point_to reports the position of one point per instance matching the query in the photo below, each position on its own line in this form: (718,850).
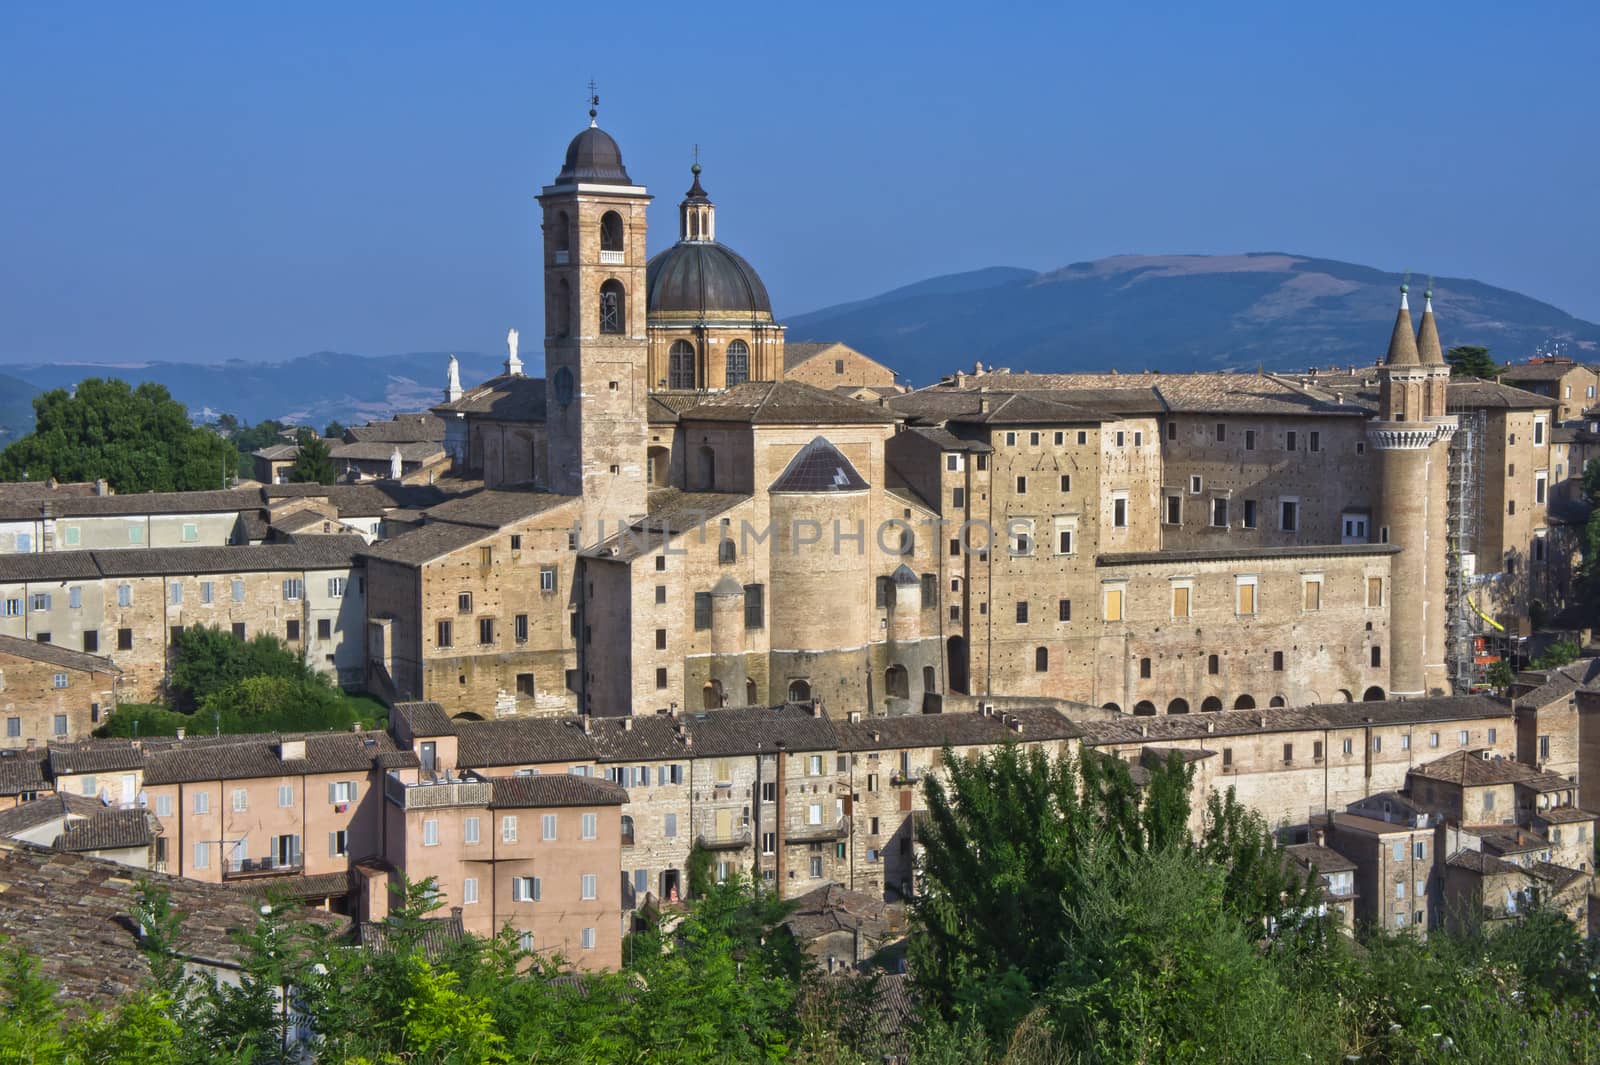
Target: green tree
(206,659)
(252,439)
(1557,655)
(138,439)
(30,1020)
(333,431)
(1467,360)
(314,463)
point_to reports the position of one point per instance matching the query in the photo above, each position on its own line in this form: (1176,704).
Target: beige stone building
(1572,385)
(837,367)
(50,693)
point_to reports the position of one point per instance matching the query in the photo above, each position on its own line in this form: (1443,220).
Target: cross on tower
(594,102)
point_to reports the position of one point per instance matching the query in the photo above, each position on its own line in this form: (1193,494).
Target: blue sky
(228,180)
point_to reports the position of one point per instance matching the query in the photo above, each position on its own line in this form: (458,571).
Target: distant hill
(1177,312)
(16,408)
(310,390)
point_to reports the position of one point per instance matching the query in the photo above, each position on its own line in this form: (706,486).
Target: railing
(737,840)
(258,867)
(427,795)
(819,833)
(899,779)
(611,258)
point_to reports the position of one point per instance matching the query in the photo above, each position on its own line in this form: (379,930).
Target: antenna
(594,103)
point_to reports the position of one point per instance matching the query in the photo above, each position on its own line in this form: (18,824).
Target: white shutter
(333,791)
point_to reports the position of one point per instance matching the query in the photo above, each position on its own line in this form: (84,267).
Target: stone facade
(48,693)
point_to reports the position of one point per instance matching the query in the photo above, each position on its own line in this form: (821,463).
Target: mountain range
(1179,312)
(1127,312)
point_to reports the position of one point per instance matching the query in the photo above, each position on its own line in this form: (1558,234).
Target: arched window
(1244,702)
(1277,700)
(1041,659)
(1144,708)
(627,831)
(1113,707)
(1178,706)
(1211,705)
(660,466)
(708,469)
(562,236)
(611,231)
(613,307)
(799,691)
(1213,664)
(751,696)
(738,363)
(1373,694)
(930,680)
(726,552)
(563,309)
(711,694)
(896,682)
(680,365)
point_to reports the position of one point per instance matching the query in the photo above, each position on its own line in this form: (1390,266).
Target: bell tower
(1411,435)
(595,344)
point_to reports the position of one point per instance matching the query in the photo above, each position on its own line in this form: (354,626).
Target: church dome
(594,159)
(704,279)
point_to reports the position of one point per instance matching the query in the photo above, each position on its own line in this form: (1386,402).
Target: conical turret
(1402,343)
(1428,349)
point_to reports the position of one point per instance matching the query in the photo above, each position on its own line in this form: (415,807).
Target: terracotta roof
(1140,558)
(43,810)
(48,566)
(505,398)
(1131,730)
(1322,859)
(221,501)
(1482,864)
(972,407)
(555,789)
(435,539)
(946,440)
(636,739)
(784,403)
(322,552)
(1557,876)
(95,756)
(1539,371)
(796,352)
(520,741)
(312,886)
(382,450)
(747,730)
(247,757)
(424,718)
(277,452)
(399,429)
(1470,393)
(51,654)
(354,500)
(957,729)
(1565,815)
(23,770)
(109,830)
(494,508)
(75,914)
(836,908)
(1471,769)
(670,513)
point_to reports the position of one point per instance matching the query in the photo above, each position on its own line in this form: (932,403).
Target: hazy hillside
(1176,312)
(312,389)
(16,408)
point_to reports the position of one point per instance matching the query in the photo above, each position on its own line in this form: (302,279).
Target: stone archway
(1178,706)
(1212,705)
(1373,694)
(1144,708)
(1244,702)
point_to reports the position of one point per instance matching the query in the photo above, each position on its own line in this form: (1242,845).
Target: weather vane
(594,102)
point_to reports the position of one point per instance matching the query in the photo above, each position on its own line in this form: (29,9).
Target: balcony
(819,833)
(612,258)
(906,780)
(257,868)
(735,840)
(428,795)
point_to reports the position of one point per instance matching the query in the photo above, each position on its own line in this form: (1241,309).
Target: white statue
(452,381)
(396,465)
(513,364)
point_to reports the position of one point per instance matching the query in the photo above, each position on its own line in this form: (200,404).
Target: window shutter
(333,844)
(354,790)
(333,792)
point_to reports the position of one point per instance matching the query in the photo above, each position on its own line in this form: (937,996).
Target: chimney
(876,736)
(586,724)
(101,487)
(855,717)
(1321,837)
(1144,731)
(627,723)
(181,731)
(292,750)
(1016,725)
(1211,726)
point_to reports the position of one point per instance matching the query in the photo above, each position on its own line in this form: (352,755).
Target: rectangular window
(547,579)
(1311,595)
(202,802)
(238,590)
(135,534)
(1174,515)
(1249,439)
(205,591)
(486,556)
(60,680)
(1315,440)
(1540,482)
(1022,486)
(430,833)
(547,824)
(524,889)
(1377,656)
(470,830)
(292,630)
(324,628)
(508,829)
(294,588)
(285,795)
(60,725)
(958,498)
(1374,591)
(486,630)
(1290,440)
(1244,595)
(337,586)
(1538,432)
(163,805)
(175,590)
(1461,738)
(1288,752)
(1113,606)
(202,855)
(1348,747)
(661,678)
(669,826)
(702,610)
(1377,745)
(469,891)
(661,636)
(1064,610)
(241,800)
(590,885)
(1544,748)
(1064,541)
(1219,513)
(445,634)
(1180,600)
(1119,511)
(1022,613)
(591,826)
(1289,515)
(1249,521)
(586,940)
(13,727)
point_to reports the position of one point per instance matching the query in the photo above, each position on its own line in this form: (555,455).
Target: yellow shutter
(1180,602)
(1313,595)
(1113,604)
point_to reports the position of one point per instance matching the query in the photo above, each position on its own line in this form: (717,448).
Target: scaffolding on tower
(1469,646)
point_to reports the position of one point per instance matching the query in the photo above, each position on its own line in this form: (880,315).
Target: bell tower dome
(595,342)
